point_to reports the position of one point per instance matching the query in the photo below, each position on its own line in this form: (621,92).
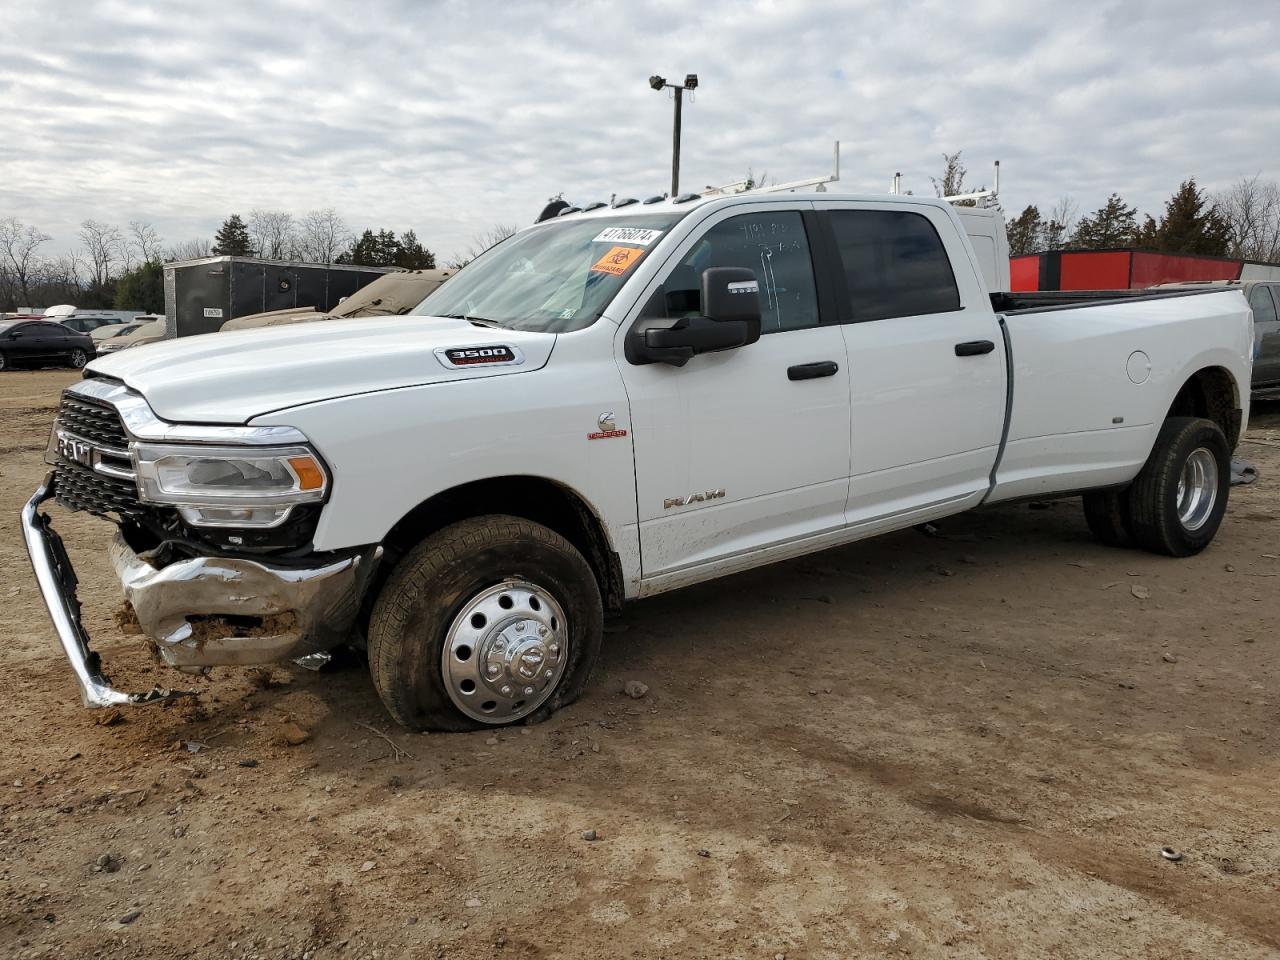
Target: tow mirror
(731,318)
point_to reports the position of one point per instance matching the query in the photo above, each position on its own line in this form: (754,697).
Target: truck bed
(1038,301)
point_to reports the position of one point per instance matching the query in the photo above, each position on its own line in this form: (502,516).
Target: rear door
(926,361)
(1263,300)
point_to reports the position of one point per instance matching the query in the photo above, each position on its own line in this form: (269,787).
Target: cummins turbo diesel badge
(493,355)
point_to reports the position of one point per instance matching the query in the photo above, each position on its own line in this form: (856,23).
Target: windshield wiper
(478,321)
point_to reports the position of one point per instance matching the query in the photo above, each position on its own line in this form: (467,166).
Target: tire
(4,362)
(1190,451)
(1107,513)
(452,593)
(78,359)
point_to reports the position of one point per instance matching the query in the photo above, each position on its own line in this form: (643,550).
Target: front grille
(79,488)
(92,421)
(82,488)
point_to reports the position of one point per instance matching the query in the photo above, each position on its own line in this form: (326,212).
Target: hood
(234,377)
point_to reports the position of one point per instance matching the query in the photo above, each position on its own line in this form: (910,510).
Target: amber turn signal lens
(310,476)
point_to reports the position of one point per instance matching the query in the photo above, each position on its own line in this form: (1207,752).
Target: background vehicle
(150,332)
(86,323)
(609,405)
(105,333)
(42,342)
(390,295)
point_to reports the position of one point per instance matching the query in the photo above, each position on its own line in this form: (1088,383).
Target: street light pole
(675,145)
(690,83)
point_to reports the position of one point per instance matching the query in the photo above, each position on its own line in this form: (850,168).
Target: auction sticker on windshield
(617,261)
(640,236)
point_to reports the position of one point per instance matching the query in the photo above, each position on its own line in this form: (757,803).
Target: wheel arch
(1212,392)
(538,499)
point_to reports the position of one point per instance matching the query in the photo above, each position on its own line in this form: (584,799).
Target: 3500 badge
(475,356)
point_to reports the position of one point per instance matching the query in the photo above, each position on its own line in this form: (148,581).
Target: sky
(449,118)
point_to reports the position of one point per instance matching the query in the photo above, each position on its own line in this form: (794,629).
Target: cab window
(894,264)
(774,246)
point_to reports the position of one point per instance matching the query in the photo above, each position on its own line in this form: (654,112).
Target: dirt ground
(970,745)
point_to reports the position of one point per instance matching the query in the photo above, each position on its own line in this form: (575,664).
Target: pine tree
(413,255)
(232,239)
(1025,232)
(1191,224)
(1114,224)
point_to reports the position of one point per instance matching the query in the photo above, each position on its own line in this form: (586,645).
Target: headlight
(230,486)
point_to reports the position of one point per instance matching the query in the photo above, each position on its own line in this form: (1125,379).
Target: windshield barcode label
(640,236)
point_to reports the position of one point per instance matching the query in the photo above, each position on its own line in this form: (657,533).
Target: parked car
(148,332)
(1264,300)
(103,334)
(42,343)
(390,295)
(608,405)
(88,323)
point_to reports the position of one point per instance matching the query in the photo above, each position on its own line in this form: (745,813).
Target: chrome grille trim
(142,423)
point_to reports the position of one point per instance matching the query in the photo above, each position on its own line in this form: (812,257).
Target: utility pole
(690,83)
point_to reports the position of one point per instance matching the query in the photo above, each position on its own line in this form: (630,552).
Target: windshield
(553,278)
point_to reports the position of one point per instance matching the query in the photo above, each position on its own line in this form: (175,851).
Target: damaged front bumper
(201,612)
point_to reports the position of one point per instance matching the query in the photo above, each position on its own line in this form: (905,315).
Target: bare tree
(60,280)
(20,257)
(953,174)
(274,233)
(192,249)
(1251,208)
(1061,224)
(480,243)
(103,244)
(322,235)
(144,244)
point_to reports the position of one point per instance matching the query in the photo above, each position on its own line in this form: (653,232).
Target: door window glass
(1264,309)
(774,246)
(894,264)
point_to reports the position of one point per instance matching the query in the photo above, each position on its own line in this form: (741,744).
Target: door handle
(974,348)
(812,371)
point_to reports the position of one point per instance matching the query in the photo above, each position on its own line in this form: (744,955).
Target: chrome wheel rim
(78,359)
(1197,489)
(505,652)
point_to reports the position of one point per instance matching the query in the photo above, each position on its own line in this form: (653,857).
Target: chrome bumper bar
(203,611)
(57,582)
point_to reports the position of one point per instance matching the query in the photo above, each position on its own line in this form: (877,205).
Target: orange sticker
(617,261)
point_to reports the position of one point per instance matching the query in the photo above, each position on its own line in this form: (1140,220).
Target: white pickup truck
(605,406)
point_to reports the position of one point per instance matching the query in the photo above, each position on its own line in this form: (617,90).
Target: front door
(747,449)
(926,363)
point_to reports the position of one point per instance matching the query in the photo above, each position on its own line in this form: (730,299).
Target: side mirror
(731,318)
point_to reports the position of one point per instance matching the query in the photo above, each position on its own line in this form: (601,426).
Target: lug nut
(493,669)
(543,631)
(528,691)
(506,690)
(548,674)
(554,648)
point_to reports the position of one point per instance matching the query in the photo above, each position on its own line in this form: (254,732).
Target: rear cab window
(894,264)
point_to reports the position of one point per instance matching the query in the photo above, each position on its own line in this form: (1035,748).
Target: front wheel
(1177,502)
(79,358)
(491,621)
(4,362)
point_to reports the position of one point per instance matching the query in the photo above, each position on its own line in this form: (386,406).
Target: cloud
(450,117)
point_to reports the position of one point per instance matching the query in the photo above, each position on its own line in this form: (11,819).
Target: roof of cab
(686,203)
